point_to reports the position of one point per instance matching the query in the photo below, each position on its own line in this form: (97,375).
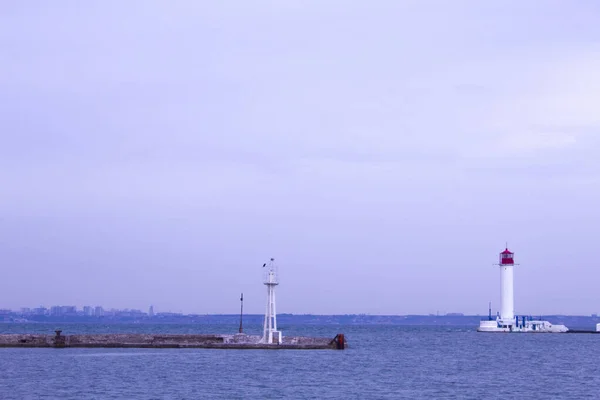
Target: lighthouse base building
(527,324)
(506,320)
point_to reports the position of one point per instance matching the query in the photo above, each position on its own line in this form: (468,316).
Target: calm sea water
(382,362)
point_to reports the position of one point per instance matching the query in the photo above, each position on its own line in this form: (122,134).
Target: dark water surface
(382,362)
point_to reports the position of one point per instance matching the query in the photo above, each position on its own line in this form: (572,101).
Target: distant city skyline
(99,311)
(382,152)
(86,310)
(71,313)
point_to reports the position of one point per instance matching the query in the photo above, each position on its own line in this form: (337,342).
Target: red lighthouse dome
(507,257)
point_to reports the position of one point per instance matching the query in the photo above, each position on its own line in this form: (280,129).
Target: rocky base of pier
(238,341)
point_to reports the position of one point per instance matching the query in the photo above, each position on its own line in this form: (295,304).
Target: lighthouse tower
(507,299)
(271,280)
(507,321)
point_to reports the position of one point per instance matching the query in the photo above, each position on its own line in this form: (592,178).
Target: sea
(381,362)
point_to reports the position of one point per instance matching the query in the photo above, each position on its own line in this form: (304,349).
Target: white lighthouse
(507,321)
(271,280)
(507,297)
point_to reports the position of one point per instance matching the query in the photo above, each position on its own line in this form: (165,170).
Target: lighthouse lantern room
(507,257)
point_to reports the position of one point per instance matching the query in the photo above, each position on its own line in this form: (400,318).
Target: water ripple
(382,362)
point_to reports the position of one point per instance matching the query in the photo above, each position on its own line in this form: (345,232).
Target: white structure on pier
(271,280)
(507,295)
(506,321)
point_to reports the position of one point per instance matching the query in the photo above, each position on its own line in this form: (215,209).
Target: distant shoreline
(294,319)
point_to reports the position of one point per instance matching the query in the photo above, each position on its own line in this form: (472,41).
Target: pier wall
(239,341)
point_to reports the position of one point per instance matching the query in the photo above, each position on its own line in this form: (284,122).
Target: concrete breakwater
(237,341)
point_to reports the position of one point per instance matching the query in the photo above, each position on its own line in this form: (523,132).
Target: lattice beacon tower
(271,280)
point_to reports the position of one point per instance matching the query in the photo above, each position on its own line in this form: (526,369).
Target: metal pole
(241,310)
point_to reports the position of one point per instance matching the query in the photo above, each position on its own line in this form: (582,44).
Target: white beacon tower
(507,321)
(271,280)
(507,296)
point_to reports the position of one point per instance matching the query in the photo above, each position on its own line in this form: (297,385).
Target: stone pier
(133,340)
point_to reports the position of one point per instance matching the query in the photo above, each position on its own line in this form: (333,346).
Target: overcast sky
(383,152)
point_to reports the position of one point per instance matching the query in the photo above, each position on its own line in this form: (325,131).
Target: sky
(383,152)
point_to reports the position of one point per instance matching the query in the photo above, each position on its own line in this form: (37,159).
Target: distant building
(151,311)
(57,311)
(40,311)
(111,312)
(69,310)
(169,314)
(127,313)
(88,311)
(25,310)
(98,311)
